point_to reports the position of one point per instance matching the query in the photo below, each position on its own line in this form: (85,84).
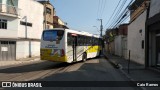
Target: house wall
(136,33)
(112,47)
(34,16)
(31,45)
(49,17)
(154,34)
(27,48)
(123,29)
(121,46)
(124,48)
(12,27)
(118,45)
(154,8)
(31,12)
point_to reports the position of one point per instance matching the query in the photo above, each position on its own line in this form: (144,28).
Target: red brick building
(123,29)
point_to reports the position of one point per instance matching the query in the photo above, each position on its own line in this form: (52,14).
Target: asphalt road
(93,70)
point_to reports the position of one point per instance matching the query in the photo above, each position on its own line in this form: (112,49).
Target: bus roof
(76,32)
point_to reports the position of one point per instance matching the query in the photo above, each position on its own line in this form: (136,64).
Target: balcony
(8,10)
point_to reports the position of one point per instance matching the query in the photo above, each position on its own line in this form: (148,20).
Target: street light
(97,28)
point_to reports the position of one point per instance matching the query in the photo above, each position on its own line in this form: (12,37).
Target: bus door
(74,46)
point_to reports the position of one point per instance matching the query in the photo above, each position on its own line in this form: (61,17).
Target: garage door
(7,50)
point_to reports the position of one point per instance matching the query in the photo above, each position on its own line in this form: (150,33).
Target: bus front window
(53,35)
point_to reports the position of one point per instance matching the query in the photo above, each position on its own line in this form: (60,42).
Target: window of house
(48,10)
(12,2)
(3,24)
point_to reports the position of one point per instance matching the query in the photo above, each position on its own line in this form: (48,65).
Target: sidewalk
(137,72)
(5,64)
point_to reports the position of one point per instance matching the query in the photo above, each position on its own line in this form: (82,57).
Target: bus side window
(84,41)
(93,41)
(69,39)
(90,41)
(79,41)
(87,41)
(97,41)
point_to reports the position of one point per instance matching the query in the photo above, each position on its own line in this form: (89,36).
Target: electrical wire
(124,14)
(113,13)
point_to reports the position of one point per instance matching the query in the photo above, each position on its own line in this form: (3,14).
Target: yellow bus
(65,45)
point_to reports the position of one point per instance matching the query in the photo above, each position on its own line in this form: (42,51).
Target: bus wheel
(84,57)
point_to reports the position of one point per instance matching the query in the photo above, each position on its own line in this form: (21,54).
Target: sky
(82,15)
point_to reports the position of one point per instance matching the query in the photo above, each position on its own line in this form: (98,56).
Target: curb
(120,67)
(18,63)
(114,64)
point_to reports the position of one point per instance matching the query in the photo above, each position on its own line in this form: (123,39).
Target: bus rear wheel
(84,57)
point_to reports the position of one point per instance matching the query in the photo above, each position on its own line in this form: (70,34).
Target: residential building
(58,23)
(20,30)
(48,13)
(153,35)
(136,31)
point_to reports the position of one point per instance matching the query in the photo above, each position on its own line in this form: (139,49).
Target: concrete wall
(24,49)
(124,48)
(35,16)
(135,37)
(121,46)
(118,45)
(112,47)
(154,7)
(33,11)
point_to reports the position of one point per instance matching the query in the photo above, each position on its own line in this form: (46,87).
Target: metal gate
(158,51)
(7,50)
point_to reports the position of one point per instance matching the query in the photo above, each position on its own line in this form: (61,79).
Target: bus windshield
(53,35)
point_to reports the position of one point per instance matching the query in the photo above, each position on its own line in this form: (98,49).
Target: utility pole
(101,29)
(101,26)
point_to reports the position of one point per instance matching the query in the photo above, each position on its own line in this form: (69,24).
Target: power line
(123,15)
(118,12)
(98,8)
(113,13)
(127,16)
(103,8)
(123,18)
